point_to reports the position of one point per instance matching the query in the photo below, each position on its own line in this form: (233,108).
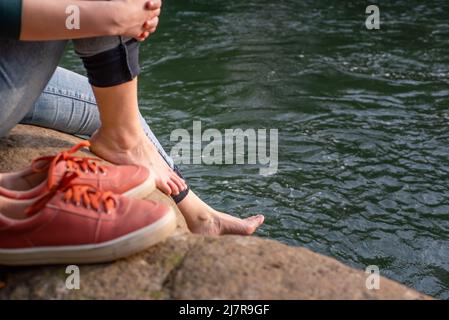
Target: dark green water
(362,115)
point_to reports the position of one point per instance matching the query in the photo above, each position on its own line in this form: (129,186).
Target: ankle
(118,138)
(195,218)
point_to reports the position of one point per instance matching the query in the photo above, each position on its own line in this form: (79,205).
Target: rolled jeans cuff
(178,198)
(114,66)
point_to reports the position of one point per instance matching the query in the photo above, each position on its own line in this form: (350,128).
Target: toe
(253,223)
(179,182)
(259,219)
(174,188)
(164,187)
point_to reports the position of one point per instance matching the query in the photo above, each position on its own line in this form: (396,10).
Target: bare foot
(218,223)
(139,150)
(203,219)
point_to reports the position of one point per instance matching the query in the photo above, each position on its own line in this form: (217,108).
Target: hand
(138,18)
(150,25)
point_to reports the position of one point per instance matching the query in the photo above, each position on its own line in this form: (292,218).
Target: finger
(150,31)
(153,5)
(143,36)
(154,22)
(174,188)
(155,13)
(151,24)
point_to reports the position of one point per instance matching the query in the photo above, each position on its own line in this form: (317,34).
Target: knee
(109,61)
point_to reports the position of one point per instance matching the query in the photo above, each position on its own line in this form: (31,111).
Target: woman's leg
(112,66)
(68,104)
(25,69)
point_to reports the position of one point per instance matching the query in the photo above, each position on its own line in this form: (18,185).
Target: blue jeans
(34,90)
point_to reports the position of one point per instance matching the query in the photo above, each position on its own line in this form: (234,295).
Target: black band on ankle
(115,66)
(183,193)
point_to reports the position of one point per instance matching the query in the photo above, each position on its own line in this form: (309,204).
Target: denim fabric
(25,69)
(89,47)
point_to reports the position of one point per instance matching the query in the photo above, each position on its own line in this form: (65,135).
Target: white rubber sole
(143,190)
(95,253)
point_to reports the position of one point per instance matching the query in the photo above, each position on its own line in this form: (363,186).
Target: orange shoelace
(80,195)
(73,164)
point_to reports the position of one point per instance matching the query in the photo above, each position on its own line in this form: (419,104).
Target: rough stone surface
(186,266)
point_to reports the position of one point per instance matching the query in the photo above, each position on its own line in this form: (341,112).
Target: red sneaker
(73,224)
(129,180)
